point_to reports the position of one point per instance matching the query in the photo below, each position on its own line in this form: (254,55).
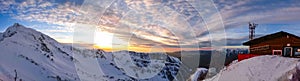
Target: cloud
(152,23)
(167,23)
(42,11)
(236,13)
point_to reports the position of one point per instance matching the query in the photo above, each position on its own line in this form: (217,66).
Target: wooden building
(280,43)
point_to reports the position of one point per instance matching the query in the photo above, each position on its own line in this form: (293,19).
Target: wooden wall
(275,44)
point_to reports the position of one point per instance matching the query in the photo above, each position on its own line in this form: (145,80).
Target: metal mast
(252,27)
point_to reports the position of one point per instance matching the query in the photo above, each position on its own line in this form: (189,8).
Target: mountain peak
(17,28)
(16,24)
(13,30)
(18,31)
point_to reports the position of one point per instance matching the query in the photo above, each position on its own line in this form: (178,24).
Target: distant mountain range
(29,55)
(231,54)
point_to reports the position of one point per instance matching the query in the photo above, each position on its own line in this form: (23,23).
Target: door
(288,51)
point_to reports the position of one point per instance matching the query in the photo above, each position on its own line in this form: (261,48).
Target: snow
(261,68)
(38,57)
(199,72)
(34,56)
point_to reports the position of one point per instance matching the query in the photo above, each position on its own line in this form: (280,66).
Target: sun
(103,40)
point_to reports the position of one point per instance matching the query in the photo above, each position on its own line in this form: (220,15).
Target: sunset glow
(145,25)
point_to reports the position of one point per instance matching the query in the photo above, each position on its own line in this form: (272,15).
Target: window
(277,52)
(297,52)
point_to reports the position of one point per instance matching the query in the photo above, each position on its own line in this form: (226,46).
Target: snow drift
(261,68)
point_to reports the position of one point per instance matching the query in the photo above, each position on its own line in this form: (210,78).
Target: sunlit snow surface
(261,68)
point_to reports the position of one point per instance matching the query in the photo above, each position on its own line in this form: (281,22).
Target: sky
(152,25)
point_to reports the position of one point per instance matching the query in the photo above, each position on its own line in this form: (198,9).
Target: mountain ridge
(32,55)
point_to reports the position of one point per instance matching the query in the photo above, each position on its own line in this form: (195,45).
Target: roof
(269,37)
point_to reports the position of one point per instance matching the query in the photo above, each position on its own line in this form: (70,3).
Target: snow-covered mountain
(29,55)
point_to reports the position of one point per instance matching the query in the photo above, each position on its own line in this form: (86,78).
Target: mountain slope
(29,55)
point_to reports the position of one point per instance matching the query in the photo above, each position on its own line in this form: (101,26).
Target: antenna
(252,27)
